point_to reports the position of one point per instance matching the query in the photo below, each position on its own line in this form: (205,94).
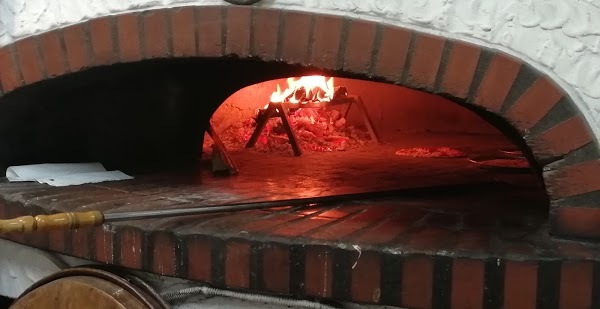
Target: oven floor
(481,221)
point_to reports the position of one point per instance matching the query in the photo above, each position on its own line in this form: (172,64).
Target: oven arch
(552,125)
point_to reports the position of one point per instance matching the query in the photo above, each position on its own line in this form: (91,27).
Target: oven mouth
(129,118)
(427,167)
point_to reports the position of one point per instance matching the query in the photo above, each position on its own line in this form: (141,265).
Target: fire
(305,89)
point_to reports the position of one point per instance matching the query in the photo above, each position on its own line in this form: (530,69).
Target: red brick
(80,243)
(10,76)
(326,46)
(393,51)
(37,240)
(577,222)
(417,282)
(305,225)
(366,278)
(270,223)
(129,37)
(77,47)
(497,82)
(3,210)
(266,30)
(52,54)
(29,60)
(425,61)
(359,47)
(520,285)
(104,245)
(575,250)
(460,69)
(15,237)
(210,41)
(319,272)
(573,179)
(296,37)
(131,246)
(199,259)
(343,228)
(164,257)
(237,265)
(390,229)
(238,31)
(219,225)
(276,269)
(561,139)
(467,283)
(101,37)
(534,104)
(183,32)
(472,241)
(155,34)
(576,280)
(429,238)
(57,241)
(519,248)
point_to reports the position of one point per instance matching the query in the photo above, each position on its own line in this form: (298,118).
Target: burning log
(305,93)
(340,93)
(275,109)
(300,94)
(221,161)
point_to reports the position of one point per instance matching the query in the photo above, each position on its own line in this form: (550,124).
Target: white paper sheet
(37,171)
(83,178)
(64,174)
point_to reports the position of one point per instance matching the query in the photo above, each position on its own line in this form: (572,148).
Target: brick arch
(545,116)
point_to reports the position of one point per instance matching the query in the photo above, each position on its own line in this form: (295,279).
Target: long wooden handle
(60,221)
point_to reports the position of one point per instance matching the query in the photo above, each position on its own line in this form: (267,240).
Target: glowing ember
(305,89)
(317,130)
(317,127)
(436,152)
(504,163)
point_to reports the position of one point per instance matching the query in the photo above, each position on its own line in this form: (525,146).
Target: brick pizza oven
(134,84)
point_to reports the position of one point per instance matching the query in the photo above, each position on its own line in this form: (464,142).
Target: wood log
(367,119)
(221,161)
(283,114)
(261,122)
(281,110)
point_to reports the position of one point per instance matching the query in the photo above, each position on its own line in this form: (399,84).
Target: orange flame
(307,88)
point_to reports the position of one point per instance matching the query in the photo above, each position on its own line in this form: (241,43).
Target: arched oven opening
(426,175)
(318,132)
(149,117)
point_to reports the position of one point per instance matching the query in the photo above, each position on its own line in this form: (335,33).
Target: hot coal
(317,129)
(430,152)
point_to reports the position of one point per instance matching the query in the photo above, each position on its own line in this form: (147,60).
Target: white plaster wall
(559,37)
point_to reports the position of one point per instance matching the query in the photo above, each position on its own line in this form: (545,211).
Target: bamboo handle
(60,221)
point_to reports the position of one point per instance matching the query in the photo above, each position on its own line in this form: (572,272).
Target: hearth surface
(437,203)
(277,176)
(446,213)
(452,217)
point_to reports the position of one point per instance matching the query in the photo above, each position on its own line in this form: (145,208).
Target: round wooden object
(78,292)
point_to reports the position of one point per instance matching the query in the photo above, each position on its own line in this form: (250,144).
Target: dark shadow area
(136,117)
(5,302)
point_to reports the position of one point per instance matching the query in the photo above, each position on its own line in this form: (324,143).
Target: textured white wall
(559,37)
